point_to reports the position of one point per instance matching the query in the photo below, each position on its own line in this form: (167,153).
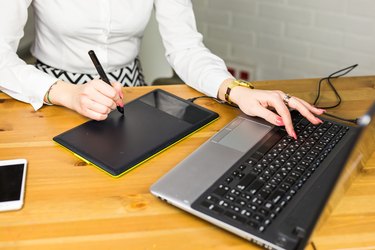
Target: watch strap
(234,84)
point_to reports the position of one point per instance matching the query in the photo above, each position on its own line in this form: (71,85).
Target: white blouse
(67,29)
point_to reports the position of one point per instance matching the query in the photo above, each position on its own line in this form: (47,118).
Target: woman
(67,29)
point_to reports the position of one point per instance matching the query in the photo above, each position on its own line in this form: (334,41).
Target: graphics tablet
(151,123)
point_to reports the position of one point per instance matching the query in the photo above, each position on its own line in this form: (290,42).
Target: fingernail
(119,103)
(121,95)
(319,120)
(294,135)
(279,121)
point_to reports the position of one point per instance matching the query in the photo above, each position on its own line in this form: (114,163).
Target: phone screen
(11,182)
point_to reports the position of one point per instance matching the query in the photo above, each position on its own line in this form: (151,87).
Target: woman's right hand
(95,99)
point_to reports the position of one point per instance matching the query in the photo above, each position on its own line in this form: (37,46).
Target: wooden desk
(69,205)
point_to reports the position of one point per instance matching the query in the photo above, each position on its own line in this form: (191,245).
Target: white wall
(283,39)
(152,52)
(28,37)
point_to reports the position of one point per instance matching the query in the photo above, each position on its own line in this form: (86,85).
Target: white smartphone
(12,184)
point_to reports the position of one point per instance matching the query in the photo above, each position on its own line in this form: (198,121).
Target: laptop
(255,181)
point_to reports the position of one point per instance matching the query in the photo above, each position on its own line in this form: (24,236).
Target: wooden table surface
(71,205)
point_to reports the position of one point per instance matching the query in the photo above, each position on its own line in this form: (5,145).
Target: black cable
(313,245)
(204,96)
(355,121)
(213,98)
(334,75)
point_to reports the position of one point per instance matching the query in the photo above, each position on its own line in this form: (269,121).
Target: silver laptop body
(185,184)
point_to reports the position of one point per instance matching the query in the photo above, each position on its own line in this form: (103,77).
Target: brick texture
(284,39)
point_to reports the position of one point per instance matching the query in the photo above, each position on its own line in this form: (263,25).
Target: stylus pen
(102,74)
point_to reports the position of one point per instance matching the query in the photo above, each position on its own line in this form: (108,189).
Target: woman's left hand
(256,102)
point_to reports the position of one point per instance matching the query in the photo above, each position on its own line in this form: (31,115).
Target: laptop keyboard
(256,189)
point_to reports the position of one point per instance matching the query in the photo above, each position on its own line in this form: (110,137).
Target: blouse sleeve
(21,81)
(185,50)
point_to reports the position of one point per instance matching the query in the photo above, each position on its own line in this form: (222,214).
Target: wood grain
(71,205)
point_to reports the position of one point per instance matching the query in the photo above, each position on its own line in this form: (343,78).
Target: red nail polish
(294,135)
(279,121)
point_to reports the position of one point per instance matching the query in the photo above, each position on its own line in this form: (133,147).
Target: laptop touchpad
(243,135)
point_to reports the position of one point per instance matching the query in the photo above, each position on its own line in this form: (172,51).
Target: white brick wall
(284,39)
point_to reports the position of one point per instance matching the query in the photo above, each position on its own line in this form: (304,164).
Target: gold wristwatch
(236,83)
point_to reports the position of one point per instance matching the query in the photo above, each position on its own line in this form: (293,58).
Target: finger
(310,107)
(95,115)
(106,90)
(102,93)
(88,109)
(114,92)
(283,111)
(305,109)
(98,108)
(268,115)
(118,87)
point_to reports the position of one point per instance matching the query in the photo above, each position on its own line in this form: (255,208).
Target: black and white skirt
(129,76)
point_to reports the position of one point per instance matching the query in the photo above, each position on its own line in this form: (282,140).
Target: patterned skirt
(129,76)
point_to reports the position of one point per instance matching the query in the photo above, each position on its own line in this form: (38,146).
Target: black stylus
(102,74)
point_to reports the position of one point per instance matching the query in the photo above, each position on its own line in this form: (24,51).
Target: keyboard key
(221,191)
(246,181)
(246,213)
(256,156)
(263,211)
(255,186)
(235,217)
(277,195)
(212,199)
(229,180)
(212,207)
(257,217)
(270,142)
(253,224)
(241,202)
